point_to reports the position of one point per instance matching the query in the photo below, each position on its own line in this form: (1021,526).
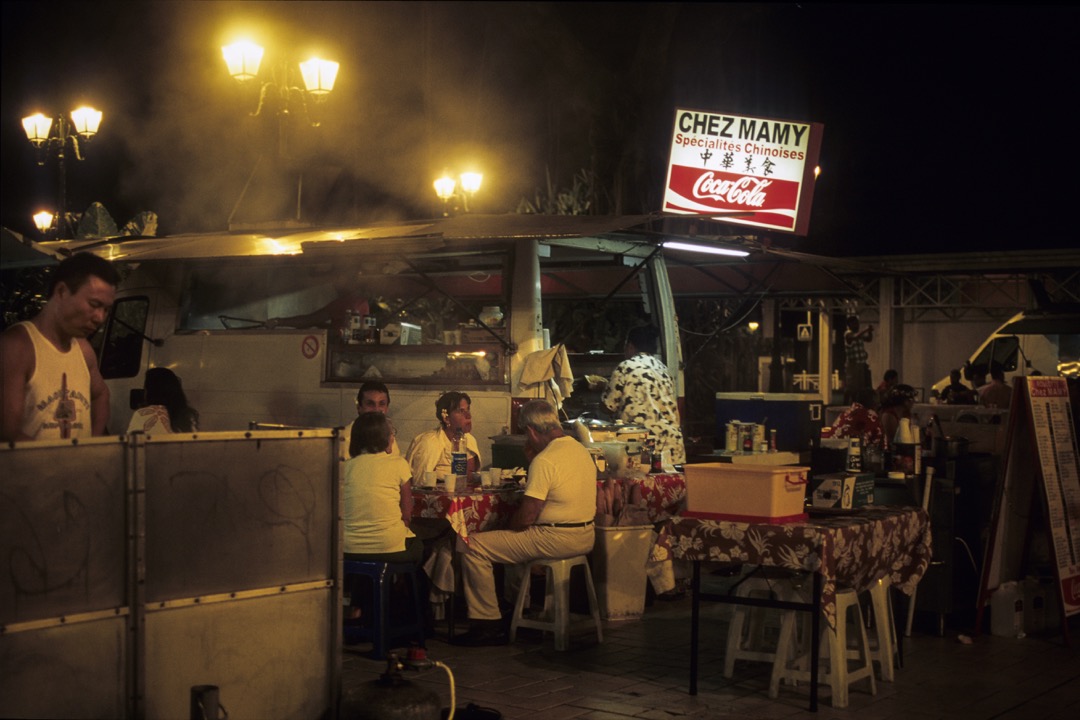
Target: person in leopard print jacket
(642,392)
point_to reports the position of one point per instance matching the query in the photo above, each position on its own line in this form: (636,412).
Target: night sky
(946,127)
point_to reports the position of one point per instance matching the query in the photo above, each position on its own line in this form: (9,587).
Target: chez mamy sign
(759,166)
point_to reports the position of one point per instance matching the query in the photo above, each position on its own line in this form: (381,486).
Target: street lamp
(84,125)
(244,58)
(447,190)
(282,95)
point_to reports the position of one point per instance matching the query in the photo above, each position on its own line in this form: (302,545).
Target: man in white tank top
(51,387)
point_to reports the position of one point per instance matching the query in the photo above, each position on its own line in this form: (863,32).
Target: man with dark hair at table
(374,396)
(554,520)
(51,387)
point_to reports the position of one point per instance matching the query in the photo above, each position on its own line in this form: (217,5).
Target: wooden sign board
(1041,448)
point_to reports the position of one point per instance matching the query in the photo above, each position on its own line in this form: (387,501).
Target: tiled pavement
(641,671)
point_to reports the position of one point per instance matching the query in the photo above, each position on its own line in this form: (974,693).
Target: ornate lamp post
(455,200)
(281,94)
(55,136)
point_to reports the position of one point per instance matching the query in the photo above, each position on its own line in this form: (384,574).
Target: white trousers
(511,547)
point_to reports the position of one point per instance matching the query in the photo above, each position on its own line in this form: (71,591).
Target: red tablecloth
(849,550)
(467,511)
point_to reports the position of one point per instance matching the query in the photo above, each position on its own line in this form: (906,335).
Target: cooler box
(796,417)
(746,493)
(843,490)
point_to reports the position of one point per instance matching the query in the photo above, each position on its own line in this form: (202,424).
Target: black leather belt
(587,523)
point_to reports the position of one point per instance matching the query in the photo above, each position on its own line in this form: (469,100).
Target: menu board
(1055,441)
(1041,448)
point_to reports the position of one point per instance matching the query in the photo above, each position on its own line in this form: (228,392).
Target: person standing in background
(52,388)
(996,394)
(642,392)
(956,392)
(856,368)
(890,380)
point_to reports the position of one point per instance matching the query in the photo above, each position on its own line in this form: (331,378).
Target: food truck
(270,330)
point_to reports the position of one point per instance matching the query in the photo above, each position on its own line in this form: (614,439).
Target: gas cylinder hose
(453,698)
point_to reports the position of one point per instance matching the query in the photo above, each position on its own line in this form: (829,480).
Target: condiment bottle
(904,448)
(854,455)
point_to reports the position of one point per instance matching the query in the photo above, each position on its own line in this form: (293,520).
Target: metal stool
(555,617)
(381,631)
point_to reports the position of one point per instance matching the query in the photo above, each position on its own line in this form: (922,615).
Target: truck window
(1002,351)
(120,353)
(1006,353)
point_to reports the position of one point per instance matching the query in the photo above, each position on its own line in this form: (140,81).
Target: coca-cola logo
(746,191)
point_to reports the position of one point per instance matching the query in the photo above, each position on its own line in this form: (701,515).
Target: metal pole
(63,227)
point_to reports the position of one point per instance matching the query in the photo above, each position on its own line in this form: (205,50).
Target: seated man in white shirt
(430,451)
(554,520)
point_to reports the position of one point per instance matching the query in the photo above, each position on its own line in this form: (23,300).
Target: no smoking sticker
(310,347)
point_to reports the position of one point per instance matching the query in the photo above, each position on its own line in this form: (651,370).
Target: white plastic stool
(744,637)
(555,617)
(884,651)
(791,662)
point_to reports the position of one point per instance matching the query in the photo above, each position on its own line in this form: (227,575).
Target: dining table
(468,509)
(849,549)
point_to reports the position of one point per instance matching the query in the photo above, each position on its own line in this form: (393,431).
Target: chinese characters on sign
(761,168)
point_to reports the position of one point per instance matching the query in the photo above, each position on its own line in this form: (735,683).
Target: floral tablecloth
(850,550)
(662,496)
(468,511)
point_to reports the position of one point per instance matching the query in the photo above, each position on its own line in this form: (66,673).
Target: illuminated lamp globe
(43,221)
(470,182)
(243,59)
(37,128)
(444,187)
(87,120)
(319,75)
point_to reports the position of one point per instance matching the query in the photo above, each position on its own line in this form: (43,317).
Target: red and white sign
(730,164)
(309,346)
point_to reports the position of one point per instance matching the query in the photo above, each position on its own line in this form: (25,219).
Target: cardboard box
(746,493)
(843,490)
(400,333)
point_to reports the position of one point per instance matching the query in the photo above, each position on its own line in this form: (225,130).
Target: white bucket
(619,560)
(1007,610)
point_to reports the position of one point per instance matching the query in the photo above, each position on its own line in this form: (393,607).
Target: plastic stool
(884,652)
(555,617)
(381,632)
(744,641)
(791,661)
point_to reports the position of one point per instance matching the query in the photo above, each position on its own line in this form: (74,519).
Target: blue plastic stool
(381,632)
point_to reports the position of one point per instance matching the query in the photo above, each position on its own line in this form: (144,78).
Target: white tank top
(58,394)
